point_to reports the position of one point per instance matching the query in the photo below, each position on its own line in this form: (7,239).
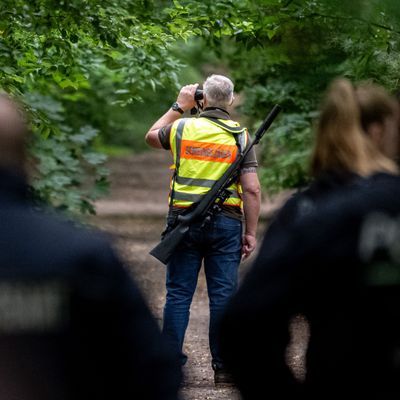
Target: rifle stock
(165,249)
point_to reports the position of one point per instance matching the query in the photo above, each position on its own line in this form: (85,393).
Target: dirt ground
(134,215)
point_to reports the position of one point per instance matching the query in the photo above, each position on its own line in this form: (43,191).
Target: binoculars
(198,95)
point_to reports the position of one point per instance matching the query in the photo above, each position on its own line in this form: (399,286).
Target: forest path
(134,214)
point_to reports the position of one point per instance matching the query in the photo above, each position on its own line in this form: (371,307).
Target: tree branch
(288,3)
(340,17)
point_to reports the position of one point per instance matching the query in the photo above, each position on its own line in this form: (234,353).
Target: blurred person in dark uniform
(360,142)
(73,325)
(338,264)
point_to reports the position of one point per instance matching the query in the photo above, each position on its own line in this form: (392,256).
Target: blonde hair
(341,139)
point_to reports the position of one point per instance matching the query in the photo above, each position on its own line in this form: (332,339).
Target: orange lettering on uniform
(191,149)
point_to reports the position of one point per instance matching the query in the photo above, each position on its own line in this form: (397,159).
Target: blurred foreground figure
(337,261)
(356,136)
(72,323)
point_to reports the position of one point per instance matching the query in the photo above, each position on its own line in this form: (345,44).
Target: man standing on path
(203,148)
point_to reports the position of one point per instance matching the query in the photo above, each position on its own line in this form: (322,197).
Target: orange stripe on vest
(193,150)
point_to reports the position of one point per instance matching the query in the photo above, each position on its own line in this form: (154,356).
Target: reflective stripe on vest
(203,150)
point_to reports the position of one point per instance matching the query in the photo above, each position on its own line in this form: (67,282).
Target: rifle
(212,201)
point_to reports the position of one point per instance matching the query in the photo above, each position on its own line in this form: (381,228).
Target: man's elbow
(252,190)
(152,139)
(148,138)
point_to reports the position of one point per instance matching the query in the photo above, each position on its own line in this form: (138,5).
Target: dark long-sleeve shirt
(73,324)
(339,266)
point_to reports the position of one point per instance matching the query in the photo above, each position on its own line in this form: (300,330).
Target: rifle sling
(231,129)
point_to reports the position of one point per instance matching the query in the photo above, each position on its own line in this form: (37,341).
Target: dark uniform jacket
(339,266)
(73,325)
(305,200)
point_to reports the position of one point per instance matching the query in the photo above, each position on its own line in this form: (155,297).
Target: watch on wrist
(176,107)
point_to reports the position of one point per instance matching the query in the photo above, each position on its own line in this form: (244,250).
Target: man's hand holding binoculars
(186,98)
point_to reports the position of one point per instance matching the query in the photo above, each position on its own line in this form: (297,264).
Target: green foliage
(294,51)
(96,73)
(74,64)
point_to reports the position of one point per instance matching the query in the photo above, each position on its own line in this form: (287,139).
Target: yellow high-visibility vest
(203,149)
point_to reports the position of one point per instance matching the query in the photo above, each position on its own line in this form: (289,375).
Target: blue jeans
(219,245)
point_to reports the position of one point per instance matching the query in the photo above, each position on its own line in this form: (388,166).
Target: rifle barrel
(267,123)
(164,250)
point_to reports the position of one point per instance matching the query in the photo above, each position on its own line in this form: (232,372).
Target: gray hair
(218,90)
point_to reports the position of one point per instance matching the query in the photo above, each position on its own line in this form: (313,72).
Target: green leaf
(94,158)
